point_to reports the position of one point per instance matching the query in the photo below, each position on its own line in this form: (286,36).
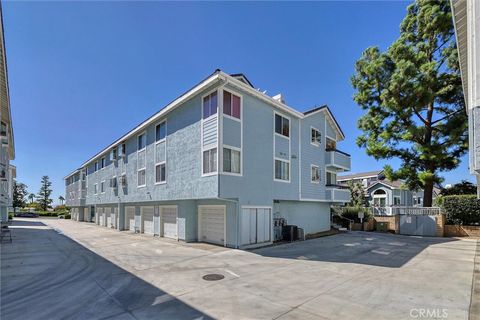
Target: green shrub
(10,216)
(47,213)
(351,213)
(460,209)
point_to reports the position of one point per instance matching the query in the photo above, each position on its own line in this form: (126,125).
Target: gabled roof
(397,184)
(243,78)
(360,175)
(330,118)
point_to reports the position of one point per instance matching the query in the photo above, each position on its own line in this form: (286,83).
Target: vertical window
(141,141)
(282,125)
(123,150)
(96,166)
(315,174)
(210,161)
(114,154)
(315,137)
(231,160)
(210,105)
(141,179)
(396,200)
(102,163)
(102,187)
(95,189)
(231,104)
(331,144)
(160,173)
(282,170)
(160,131)
(331,178)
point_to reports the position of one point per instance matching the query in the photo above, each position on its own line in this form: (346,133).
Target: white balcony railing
(394,210)
(338,159)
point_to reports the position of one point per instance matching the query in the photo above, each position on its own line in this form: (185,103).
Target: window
(113,183)
(141,179)
(282,170)
(113,157)
(396,201)
(123,150)
(210,105)
(331,178)
(102,163)
(315,137)
(141,142)
(315,174)
(282,125)
(96,166)
(95,189)
(231,104)
(210,161)
(331,144)
(160,131)
(102,187)
(160,173)
(231,160)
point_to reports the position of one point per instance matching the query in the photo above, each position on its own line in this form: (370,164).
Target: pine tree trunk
(428,194)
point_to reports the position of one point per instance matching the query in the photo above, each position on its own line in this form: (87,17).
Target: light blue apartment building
(223,163)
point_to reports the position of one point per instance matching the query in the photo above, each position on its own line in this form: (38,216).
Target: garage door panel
(130,218)
(147,217)
(212,224)
(108,215)
(256,225)
(169,221)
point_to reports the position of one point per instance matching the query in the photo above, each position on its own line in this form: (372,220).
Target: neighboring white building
(466,17)
(7,148)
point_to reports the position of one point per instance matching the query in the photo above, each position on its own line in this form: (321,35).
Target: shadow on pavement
(369,248)
(46,275)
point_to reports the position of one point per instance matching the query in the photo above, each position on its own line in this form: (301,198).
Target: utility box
(382,226)
(290,233)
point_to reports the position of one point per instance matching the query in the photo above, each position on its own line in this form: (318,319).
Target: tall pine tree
(413,99)
(43,196)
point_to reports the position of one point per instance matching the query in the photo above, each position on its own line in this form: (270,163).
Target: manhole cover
(213,277)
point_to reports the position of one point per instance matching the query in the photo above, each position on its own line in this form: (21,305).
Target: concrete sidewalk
(58,269)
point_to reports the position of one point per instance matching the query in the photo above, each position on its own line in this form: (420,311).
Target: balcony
(337,193)
(339,160)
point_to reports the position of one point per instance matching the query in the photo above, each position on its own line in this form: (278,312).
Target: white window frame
(241,105)
(218,103)
(289,170)
(399,200)
(95,188)
(213,172)
(102,186)
(142,185)
(275,113)
(331,172)
(226,146)
(158,124)
(312,166)
(144,133)
(316,144)
(95,166)
(155,174)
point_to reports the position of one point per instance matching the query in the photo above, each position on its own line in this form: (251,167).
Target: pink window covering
(236,107)
(227,103)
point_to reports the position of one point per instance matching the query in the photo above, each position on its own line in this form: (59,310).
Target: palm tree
(61,198)
(31,196)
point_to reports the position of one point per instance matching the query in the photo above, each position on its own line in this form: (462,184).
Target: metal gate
(418,225)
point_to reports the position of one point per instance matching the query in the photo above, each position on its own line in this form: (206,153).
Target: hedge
(461,209)
(351,213)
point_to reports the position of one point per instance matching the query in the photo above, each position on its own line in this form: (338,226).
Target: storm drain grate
(213,277)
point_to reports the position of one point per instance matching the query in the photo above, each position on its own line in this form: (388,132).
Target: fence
(391,211)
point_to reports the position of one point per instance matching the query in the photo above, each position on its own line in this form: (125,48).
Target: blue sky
(83,74)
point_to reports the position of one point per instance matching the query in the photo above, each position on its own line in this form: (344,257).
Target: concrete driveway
(61,269)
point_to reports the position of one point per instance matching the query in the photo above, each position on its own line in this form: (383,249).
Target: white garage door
(130,218)
(147,219)
(169,222)
(108,215)
(101,217)
(114,217)
(256,225)
(211,227)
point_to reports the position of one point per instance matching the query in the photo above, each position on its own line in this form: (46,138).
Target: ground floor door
(147,219)
(418,225)
(256,225)
(108,217)
(168,222)
(211,224)
(130,218)
(115,217)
